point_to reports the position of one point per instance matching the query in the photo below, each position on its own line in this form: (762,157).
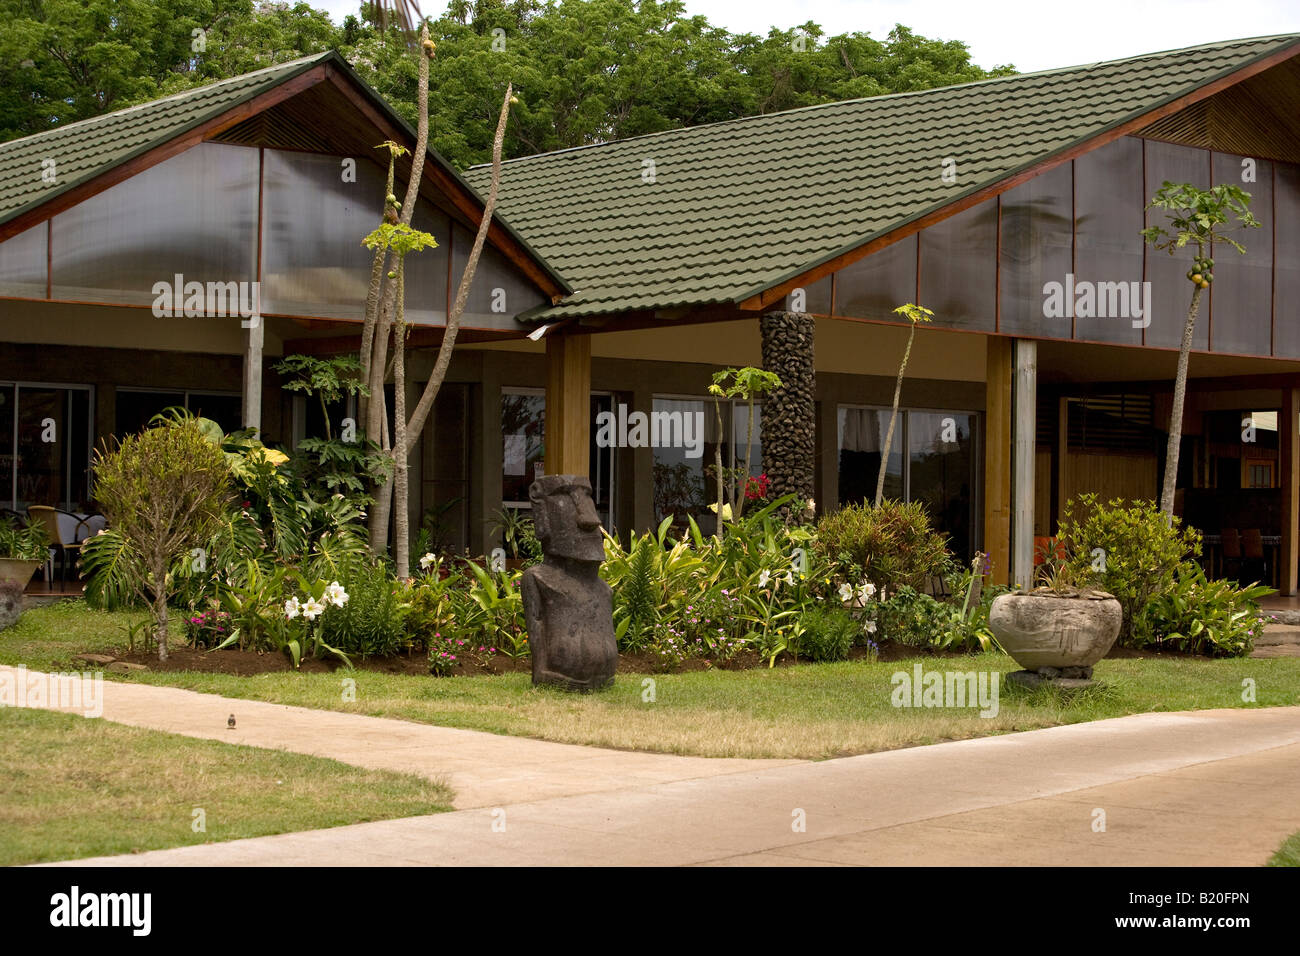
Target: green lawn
(72,787)
(812,711)
(1288,854)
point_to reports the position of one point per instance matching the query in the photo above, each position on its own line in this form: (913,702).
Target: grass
(1288,854)
(809,711)
(73,787)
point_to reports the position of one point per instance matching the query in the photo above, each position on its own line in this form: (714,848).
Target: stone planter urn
(17,571)
(1055,636)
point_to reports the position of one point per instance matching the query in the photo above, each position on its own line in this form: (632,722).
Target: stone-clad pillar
(788,415)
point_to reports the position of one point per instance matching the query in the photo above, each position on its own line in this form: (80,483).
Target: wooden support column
(568,404)
(252,390)
(1024,439)
(997,459)
(1288,425)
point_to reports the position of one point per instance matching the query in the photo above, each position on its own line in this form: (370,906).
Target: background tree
(1198,217)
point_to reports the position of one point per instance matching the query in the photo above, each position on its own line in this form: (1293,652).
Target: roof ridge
(179,95)
(1085,67)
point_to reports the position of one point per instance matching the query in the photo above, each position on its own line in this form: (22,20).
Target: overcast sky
(1031,34)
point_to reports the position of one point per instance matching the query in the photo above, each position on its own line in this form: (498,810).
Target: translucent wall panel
(959,269)
(313,222)
(1241,297)
(22,263)
(873,287)
(1286,327)
(499,291)
(194,215)
(1108,205)
(816,296)
(1035,251)
(1170,291)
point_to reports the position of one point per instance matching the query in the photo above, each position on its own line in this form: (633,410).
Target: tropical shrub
(23,542)
(164,492)
(890,546)
(1131,550)
(1215,618)
(826,633)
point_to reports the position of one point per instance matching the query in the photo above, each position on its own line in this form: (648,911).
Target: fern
(637,593)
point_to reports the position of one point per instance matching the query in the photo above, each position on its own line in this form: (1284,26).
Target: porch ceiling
(1073,363)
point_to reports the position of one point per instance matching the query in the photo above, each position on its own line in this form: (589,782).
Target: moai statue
(568,608)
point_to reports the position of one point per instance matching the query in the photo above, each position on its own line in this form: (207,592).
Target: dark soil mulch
(251,663)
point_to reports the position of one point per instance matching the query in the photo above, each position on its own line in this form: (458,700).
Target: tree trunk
(160,616)
(401,458)
(893,418)
(717,466)
(1176,413)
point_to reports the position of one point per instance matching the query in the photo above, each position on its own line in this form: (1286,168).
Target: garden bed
(251,663)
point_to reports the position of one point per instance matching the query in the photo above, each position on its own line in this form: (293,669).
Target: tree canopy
(586,71)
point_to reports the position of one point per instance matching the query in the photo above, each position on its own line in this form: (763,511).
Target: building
(1009,207)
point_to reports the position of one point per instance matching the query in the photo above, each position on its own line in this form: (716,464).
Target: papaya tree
(1199,218)
(384,321)
(746,385)
(914,314)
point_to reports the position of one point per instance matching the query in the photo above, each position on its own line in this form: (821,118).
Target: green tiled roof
(740,206)
(82,150)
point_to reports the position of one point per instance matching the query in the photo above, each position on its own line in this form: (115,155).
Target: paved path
(1210,787)
(484,770)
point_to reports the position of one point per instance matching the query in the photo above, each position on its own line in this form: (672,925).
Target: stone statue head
(565,518)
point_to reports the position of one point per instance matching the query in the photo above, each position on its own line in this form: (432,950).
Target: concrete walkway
(483,769)
(1202,788)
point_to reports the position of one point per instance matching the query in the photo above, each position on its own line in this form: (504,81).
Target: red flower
(756,488)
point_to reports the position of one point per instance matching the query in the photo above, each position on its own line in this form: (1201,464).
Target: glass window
(873,287)
(52,447)
(817,298)
(135,408)
(959,269)
(7,451)
(22,263)
(194,215)
(938,470)
(1108,242)
(1035,250)
(523,438)
(1166,273)
(861,438)
(1241,298)
(226,410)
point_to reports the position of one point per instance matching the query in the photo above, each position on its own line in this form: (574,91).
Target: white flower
(866,592)
(846,593)
(764,578)
(334,594)
(788,577)
(292,608)
(871,627)
(812,506)
(312,609)
(426,561)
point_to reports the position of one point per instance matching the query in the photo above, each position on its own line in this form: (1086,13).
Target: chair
(61,526)
(90,526)
(1230,542)
(1252,553)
